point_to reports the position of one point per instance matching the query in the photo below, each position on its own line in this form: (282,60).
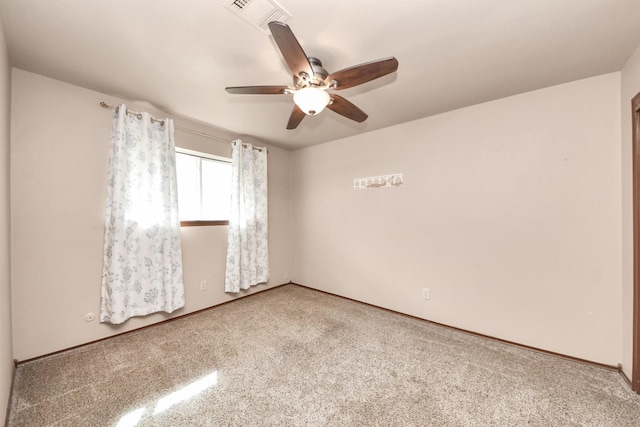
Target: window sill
(202,223)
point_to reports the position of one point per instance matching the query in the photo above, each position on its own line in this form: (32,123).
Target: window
(204,188)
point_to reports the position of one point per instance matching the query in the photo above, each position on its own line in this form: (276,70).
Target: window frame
(202,155)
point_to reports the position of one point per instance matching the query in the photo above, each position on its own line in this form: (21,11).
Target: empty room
(286,213)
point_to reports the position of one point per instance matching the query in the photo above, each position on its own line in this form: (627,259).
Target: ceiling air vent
(258,13)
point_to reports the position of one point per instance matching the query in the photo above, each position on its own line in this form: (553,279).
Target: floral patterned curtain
(142,270)
(247,246)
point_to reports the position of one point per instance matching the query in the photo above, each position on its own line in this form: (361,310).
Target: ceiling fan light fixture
(311,100)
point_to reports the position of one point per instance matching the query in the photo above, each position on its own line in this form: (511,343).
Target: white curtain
(142,270)
(247,246)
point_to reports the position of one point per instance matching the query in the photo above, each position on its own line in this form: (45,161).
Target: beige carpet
(296,357)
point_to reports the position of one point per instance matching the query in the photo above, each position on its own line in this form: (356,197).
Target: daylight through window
(204,187)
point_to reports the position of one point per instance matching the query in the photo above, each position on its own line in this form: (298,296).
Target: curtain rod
(195,132)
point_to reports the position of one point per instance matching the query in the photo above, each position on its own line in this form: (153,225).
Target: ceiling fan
(311,81)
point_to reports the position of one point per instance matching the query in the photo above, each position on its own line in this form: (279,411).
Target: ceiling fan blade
(363,73)
(346,108)
(290,48)
(296,117)
(257,90)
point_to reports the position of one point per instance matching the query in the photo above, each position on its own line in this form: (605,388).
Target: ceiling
(452,54)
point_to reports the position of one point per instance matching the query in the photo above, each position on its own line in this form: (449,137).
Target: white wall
(6,348)
(59,156)
(630,87)
(510,213)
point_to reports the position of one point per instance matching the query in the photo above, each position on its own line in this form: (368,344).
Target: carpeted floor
(296,357)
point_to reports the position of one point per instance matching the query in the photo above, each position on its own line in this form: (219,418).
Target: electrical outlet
(286,275)
(203,285)
(426,293)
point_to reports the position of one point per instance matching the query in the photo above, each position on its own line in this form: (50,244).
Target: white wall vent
(258,13)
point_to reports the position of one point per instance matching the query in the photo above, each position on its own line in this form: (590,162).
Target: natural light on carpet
(132,418)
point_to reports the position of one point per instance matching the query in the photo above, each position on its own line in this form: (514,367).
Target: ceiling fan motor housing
(320,74)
